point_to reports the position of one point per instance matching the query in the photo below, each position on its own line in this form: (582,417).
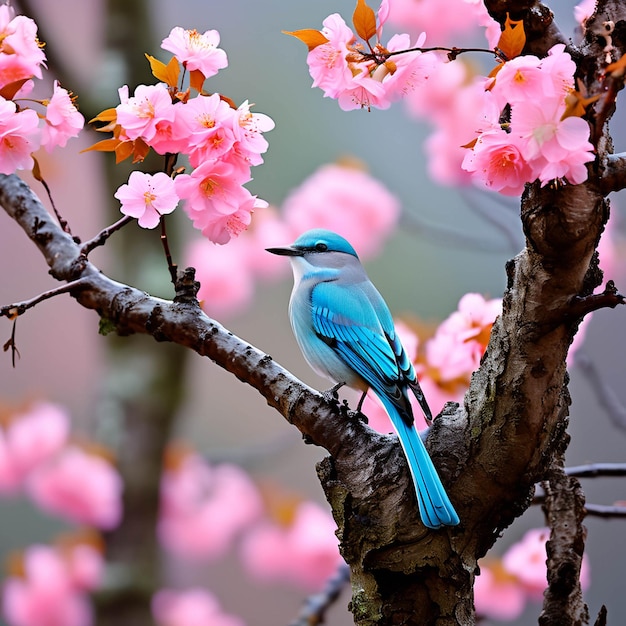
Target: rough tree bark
(510,432)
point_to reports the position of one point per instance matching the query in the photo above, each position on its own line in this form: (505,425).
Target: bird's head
(317,243)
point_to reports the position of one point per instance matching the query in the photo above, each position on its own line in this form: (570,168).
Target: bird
(346,333)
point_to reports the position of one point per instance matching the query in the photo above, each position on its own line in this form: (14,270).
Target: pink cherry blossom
(30,439)
(348,200)
(208,124)
(63,120)
(78,486)
(461,339)
(220,294)
(408,71)
(19,137)
(327,63)
(304,553)
(196,51)
(170,135)
(519,80)
(584,10)
(216,201)
(140,115)
(248,128)
(363,92)
(499,162)
(21,56)
(46,595)
(559,147)
(426,15)
(497,593)
(190,607)
(85,565)
(147,197)
(204,507)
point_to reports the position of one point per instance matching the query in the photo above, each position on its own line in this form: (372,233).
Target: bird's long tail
(435,507)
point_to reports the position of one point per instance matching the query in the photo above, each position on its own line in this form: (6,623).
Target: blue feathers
(346,333)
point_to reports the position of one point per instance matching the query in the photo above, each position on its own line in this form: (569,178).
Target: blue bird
(346,333)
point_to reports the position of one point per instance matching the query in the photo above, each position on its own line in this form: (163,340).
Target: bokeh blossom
(52,586)
(29,439)
(204,507)
(348,200)
(506,584)
(190,607)
(79,486)
(302,550)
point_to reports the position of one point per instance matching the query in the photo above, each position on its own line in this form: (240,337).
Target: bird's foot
(352,415)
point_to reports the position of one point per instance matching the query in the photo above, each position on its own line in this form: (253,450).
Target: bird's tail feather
(435,507)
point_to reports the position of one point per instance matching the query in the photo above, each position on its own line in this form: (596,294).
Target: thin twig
(62,221)
(579,306)
(594,470)
(442,234)
(314,610)
(101,238)
(606,397)
(14,310)
(171,266)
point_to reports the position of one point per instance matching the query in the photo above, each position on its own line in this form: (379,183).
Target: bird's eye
(321,247)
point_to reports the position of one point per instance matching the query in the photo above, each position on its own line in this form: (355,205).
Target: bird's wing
(350,323)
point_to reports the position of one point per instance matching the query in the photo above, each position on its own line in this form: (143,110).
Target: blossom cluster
(358,73)
(51,584)
(520,124)
(207,509)
(221,142)
(543,138)
(38,457)
(22,132)
(506,584)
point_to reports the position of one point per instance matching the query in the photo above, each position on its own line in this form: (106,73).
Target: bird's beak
(286,251)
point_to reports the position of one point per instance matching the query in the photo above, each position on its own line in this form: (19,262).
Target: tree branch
(565,511)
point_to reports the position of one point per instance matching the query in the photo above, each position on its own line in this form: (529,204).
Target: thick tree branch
(565,511)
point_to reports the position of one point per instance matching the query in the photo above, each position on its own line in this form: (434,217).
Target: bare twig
(609,298)
(314,610)
(14,310)
(101,238)
(606,396)
(594,470)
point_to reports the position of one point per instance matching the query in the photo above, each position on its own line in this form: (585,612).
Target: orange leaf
(196,80)
(616,69)
(8,91)
(106,145)
(167,74)
(37,170)
(512,39)
(140,150)
(364,20)
(108,115)
(310,37)
(123,150)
